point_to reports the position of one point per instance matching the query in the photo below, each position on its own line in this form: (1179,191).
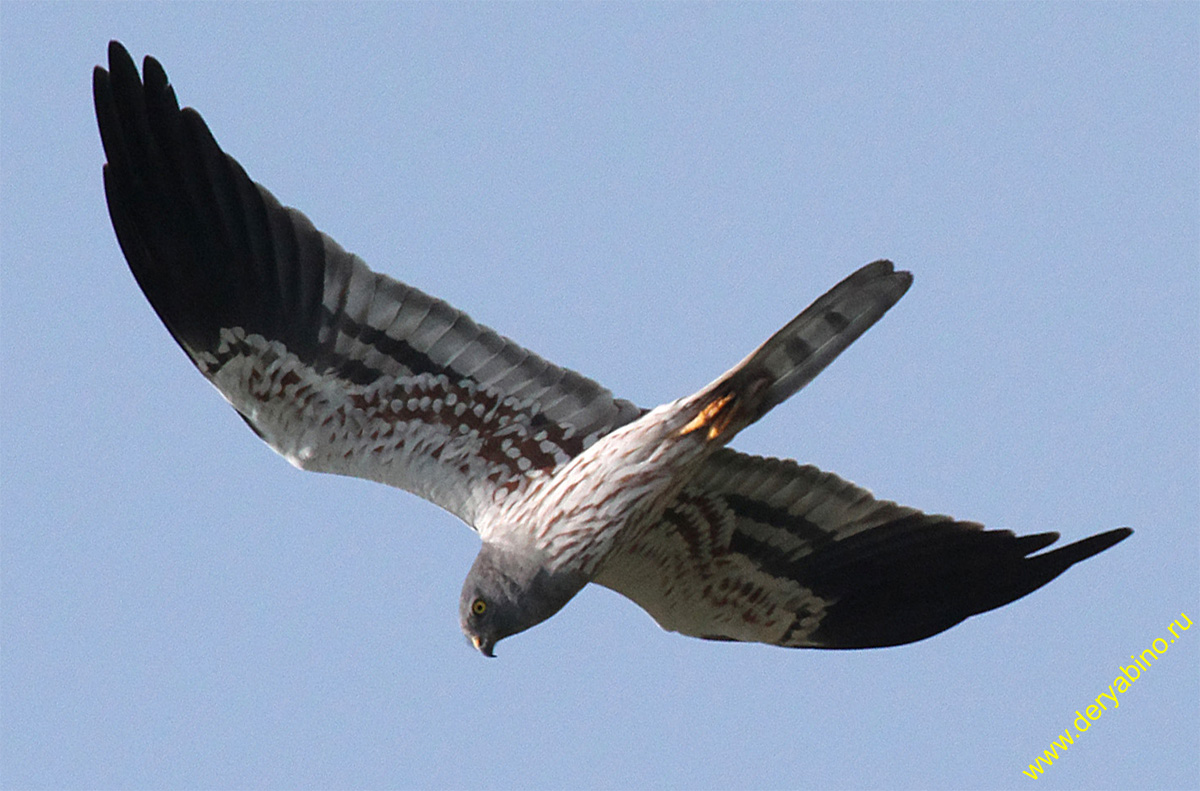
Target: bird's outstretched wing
(766,550)
(338,368)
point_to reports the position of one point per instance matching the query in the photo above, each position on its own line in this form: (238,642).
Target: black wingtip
(211,250)
(1085,548)
(119,58)
(893,600)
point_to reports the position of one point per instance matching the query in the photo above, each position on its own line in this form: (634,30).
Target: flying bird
(344,370)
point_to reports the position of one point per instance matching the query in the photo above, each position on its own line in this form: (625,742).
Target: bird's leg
(715,416)
(727,408)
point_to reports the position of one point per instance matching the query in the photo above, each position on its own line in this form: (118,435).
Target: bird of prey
(347,371)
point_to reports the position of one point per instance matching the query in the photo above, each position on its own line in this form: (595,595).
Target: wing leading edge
(766,550)
(338,368)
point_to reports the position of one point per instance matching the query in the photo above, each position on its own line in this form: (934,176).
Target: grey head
(507,592)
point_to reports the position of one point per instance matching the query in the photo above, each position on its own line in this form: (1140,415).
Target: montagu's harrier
(343,370)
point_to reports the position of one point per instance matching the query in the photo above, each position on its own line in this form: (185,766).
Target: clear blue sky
(643,193)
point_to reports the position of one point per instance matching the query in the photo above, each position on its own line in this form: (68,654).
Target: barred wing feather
(338,368)
(766,550)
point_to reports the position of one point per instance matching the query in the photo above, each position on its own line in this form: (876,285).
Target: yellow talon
(714,416)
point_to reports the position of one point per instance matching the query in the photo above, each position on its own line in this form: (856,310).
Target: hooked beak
(483,646)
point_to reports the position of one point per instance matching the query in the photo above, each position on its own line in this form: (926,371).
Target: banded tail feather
(793,356)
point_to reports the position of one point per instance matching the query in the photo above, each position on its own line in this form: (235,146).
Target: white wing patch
(339,368)
(454,443)
(683,573)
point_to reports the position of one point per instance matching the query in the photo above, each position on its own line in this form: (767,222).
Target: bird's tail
(792,357)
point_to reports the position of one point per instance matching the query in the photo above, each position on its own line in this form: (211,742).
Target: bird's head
(507,592)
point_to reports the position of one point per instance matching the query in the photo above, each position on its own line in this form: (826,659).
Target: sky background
(643,193)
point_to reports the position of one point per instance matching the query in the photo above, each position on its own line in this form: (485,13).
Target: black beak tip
(484,646)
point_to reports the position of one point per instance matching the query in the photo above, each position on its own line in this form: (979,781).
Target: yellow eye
(479,606)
